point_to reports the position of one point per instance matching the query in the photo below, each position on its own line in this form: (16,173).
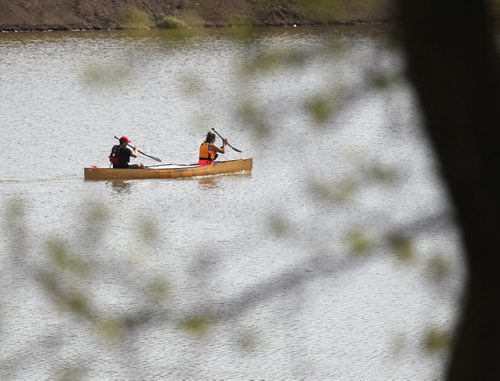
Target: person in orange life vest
(124,154)
(209,151)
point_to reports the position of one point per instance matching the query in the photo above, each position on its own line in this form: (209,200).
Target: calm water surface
(266,254)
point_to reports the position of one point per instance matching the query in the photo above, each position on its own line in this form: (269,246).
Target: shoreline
(42,29)
(85,15)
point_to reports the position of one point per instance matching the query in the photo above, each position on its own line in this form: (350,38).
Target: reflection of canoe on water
(243,166)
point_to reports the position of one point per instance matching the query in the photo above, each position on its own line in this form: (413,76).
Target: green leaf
(278,224)
(248,341)
(77,303)
(112,328)
(158,290)
(320,108)
(358,242)
(438,268)
(437,341)
(63,260)
(148,230)
(196,325)
(402,246)
(333,192)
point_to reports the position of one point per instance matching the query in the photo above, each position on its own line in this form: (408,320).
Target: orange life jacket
(205,154)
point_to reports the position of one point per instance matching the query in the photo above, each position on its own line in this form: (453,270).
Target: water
(265,255)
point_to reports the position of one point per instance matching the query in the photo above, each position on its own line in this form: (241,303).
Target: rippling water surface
(263,260)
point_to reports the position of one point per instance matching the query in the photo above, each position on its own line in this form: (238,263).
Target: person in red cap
(120,155)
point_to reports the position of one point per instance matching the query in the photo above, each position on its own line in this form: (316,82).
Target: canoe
(170,171)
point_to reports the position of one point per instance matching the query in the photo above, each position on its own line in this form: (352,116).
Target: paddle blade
(155,159)
(151,157)
(220,136)
(145,154)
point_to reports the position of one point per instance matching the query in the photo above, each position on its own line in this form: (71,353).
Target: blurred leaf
(106,75)
(346,189)
(73,301)
(48,281)
(197,325)
(15,209)
(267,62)
(278,224)
(438,268)
(320,108)
(253,117)
(77,303)
(192,84)
(58,253)
(63,260)
(380,80)
(158,290)
(437,341)
(72,374)
(402,246)
(322,189)
(399,344)
(248,341)
(148,230)
(14,221)
(359,242)
(381,173)
(112,328)
(97,213)
(333,192)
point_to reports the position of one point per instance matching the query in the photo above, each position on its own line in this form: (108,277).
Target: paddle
(176,164)
(236,149)
(145,154)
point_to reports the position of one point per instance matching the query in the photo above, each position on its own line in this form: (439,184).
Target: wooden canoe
(170,171)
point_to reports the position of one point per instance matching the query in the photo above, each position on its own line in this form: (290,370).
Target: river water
(286,273)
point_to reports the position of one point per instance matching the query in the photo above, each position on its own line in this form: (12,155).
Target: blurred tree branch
(453,63)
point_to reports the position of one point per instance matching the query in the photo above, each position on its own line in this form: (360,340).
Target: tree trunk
(453,64)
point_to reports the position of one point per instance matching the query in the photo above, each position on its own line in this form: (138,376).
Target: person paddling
(209,151)
(120,154)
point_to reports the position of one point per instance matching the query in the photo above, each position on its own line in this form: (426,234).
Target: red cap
(125,139)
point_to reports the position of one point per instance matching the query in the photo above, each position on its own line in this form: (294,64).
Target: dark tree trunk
(453,64)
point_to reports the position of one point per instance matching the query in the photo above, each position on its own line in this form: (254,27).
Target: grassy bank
(21,15)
